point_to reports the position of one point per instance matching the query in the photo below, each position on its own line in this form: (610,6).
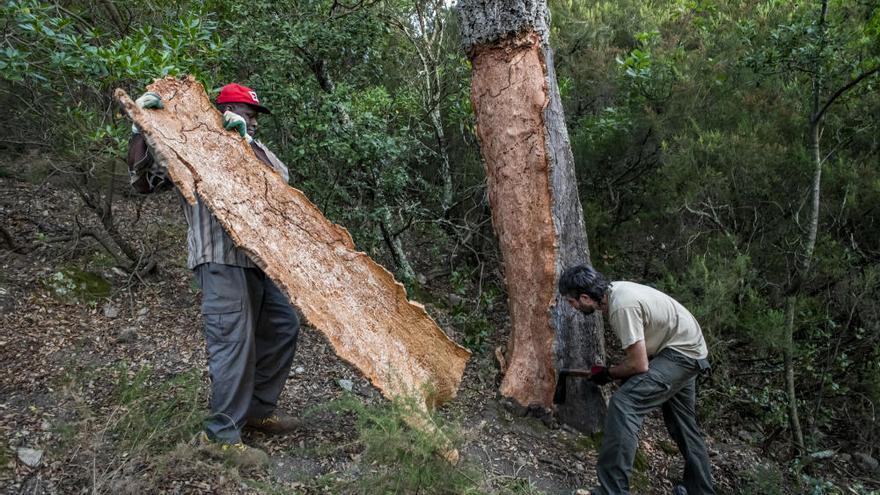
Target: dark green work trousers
(670,384)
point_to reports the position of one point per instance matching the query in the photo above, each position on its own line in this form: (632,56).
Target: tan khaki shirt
(638,312)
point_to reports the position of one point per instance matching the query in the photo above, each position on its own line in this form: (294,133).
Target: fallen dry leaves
(60,360)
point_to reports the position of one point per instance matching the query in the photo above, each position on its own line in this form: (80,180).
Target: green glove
(232,120)
(150,99)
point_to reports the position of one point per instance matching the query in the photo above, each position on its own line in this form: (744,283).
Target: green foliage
(156,413)
(816,486)
(71,63)
(688,124)
(349,110)
(770,479)
(645,76)
(138,416)
(53,48)
(472,318)
(60,66)
(688,121)
(404,459)
(765,480)
(475,324)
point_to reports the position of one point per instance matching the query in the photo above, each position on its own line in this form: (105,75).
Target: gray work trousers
(251,331)
(670,383)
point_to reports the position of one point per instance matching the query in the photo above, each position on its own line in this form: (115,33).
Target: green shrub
(473,319)
(765,479)
(520,487)
(155,413)
(402,459)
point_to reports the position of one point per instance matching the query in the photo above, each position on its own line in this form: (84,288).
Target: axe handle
(579,372)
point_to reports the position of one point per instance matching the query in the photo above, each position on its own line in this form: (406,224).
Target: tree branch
(843,89)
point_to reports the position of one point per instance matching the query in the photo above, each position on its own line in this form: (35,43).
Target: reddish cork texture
(355,302)
(509,92)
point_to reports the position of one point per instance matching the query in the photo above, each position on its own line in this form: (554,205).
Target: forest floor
(104,396)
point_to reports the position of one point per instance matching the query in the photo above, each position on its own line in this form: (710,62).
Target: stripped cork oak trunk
(536,211)
(352,300)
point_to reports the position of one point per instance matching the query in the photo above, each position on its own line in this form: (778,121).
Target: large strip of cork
(355,302)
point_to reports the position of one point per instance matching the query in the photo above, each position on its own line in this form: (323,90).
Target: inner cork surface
(509,92)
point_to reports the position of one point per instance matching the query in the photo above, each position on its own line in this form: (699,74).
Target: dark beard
(588,311)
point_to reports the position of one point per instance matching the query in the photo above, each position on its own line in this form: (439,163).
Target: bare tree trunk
(392,240)
(443,152)
(794,421)
(803,267)
(818,110)
(101,205)
(535,207)
(424,26)
(113,13)
(109,223)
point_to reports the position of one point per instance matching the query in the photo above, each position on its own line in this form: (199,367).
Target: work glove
(150,99)
(232,120)
(599,375)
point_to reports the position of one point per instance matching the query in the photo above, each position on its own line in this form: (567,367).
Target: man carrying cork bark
(250,327)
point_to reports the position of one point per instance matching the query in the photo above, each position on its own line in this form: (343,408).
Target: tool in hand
(562,382)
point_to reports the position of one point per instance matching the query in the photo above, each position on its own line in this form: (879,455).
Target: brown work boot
(276,424)
(237,454)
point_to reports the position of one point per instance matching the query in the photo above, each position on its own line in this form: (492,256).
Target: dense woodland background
(728,153)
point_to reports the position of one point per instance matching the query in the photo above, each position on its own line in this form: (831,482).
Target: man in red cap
(250,326)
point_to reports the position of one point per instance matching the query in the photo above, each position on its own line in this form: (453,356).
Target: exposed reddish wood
(354,301)
(509,92)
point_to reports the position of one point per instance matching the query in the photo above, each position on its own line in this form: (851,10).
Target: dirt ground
(60,360)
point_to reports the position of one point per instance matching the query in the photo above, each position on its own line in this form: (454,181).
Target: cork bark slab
(509,91)
(355,302)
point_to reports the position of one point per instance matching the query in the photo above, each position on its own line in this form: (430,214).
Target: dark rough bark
(485,22)
(535,207)
(579,338)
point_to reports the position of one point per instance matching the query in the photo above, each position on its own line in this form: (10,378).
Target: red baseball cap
(236,93)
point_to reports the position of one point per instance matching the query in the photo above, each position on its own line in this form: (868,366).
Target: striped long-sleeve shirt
(207,241)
